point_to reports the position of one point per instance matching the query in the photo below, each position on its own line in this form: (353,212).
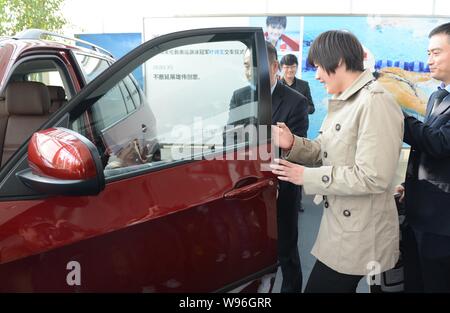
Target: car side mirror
(63,162)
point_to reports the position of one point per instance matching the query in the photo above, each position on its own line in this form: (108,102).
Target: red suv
(119,187)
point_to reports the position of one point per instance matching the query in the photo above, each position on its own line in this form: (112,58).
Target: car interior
(27,102)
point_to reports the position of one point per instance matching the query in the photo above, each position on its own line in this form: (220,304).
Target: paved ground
(308,225)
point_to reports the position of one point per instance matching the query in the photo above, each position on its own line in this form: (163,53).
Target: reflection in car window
(91,66)
(198,91)
(109,109)
(195,95)
(131,94)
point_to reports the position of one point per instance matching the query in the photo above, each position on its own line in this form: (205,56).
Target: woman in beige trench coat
(350,166)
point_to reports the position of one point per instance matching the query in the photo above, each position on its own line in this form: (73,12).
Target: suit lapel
(445,104)
(277,99)
(429,108)
(301,87)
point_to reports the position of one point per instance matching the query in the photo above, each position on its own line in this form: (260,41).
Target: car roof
(11,48)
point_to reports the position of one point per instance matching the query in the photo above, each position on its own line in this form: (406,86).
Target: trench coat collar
(359,83)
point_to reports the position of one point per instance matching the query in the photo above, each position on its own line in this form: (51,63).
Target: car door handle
(248,191)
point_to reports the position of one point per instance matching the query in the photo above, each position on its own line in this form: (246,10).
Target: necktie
(438,97)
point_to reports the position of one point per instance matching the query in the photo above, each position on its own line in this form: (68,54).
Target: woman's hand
(401,191)
(288,171)
(282,136)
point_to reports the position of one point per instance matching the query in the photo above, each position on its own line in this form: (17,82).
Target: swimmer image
(408,88)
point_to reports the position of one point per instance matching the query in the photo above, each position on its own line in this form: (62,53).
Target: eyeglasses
(289,67)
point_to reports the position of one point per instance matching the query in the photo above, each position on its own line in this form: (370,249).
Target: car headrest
(57,93)
(3,107)
(27,98)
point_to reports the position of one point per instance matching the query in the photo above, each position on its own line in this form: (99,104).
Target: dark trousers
(426,259)
(298,201)
(326,280)
(288,256)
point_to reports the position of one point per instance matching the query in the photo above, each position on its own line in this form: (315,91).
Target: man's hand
(282,136)
(400,190)
(288,171)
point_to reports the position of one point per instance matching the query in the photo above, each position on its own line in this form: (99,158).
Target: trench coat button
(347,213)
(325,179)
(326,204)
(338,127)
(325,154)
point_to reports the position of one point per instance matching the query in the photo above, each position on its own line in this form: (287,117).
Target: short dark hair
(289,59)
(441,29)
(276,20)
(272,54)
(332,46)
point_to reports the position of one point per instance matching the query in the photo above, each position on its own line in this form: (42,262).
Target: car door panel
(134,230)
(197,225)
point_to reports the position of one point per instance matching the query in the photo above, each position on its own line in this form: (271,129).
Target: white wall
(106,16)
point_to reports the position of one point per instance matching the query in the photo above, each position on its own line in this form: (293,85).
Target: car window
(132,95)
(110,108)
(91,66)
(47,71)
(198,100)
(45,77)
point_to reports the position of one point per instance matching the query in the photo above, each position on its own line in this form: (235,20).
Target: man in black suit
(290,107)
(243,106)
(289,66)
(426,189)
